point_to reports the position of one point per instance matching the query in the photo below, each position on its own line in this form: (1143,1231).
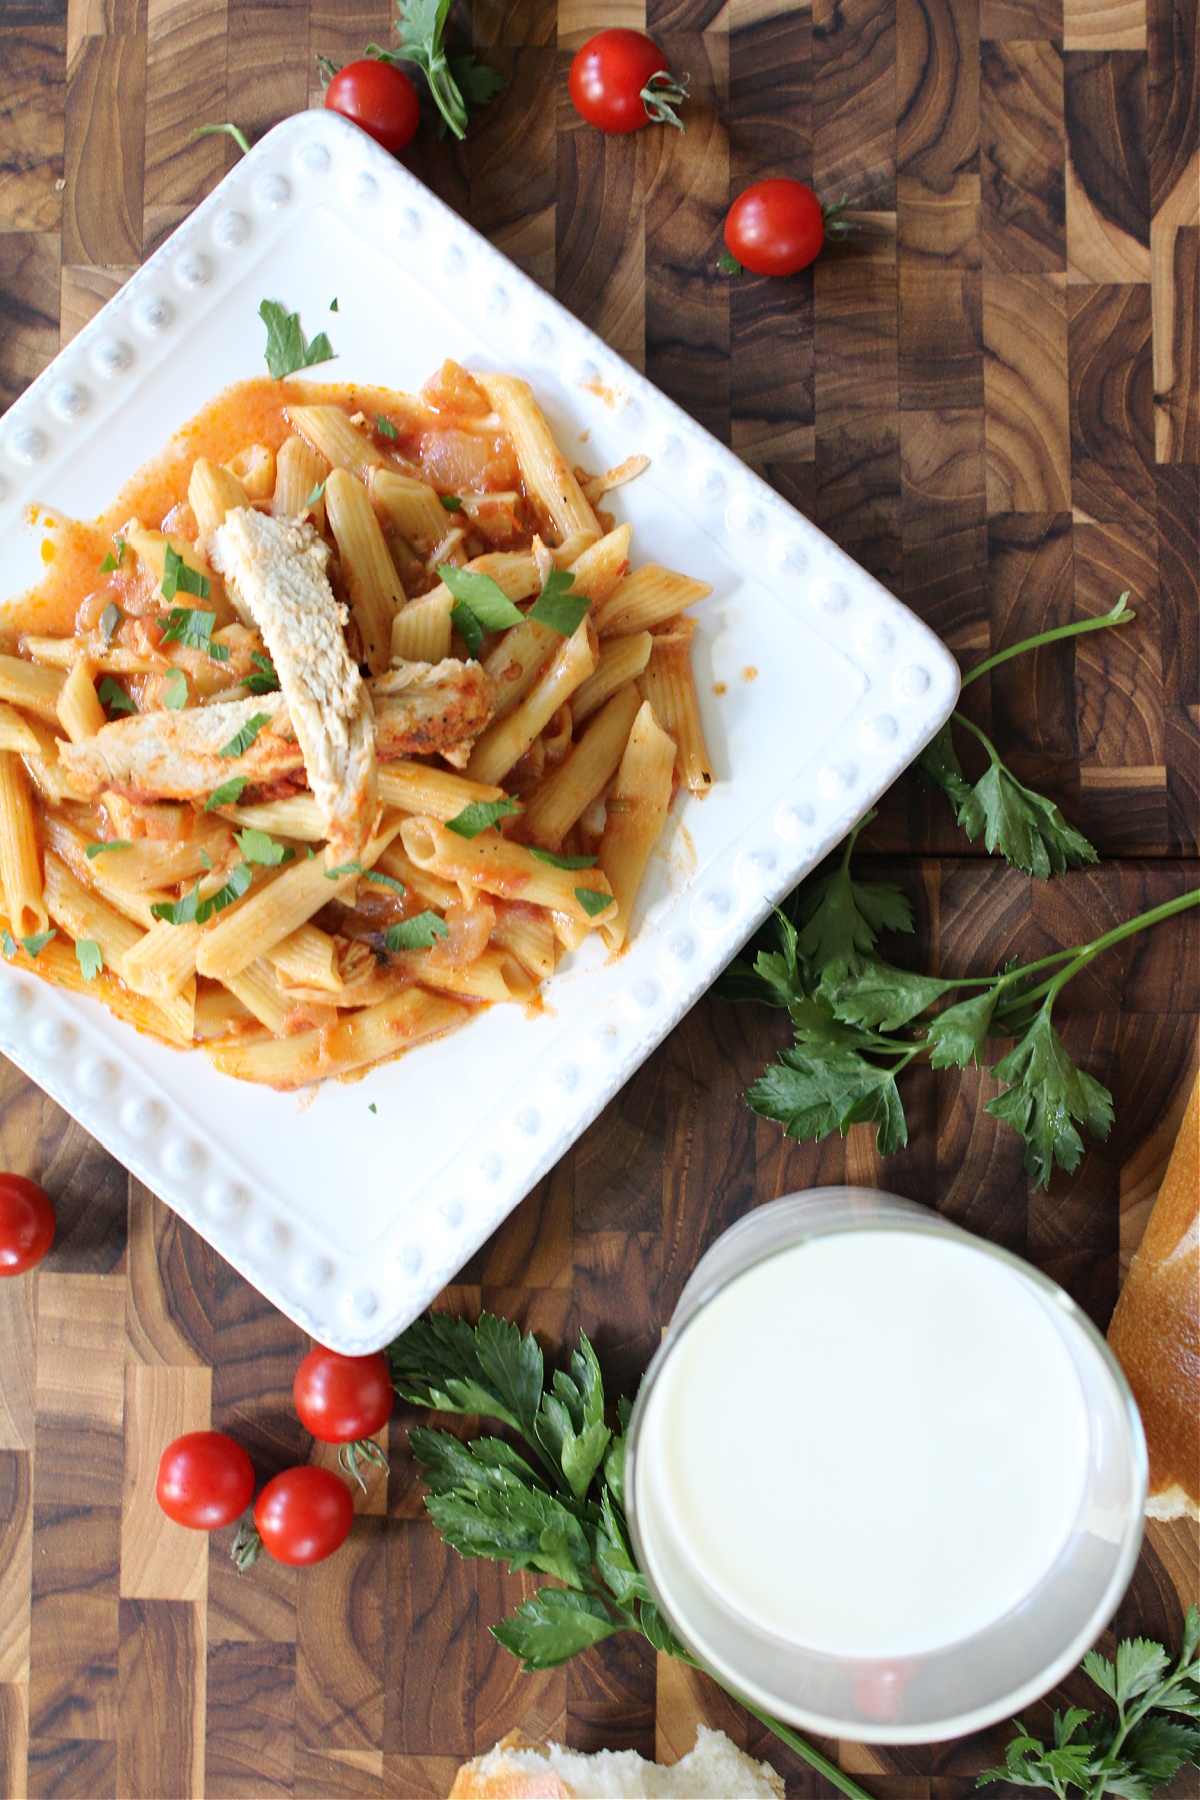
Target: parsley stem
(985,740)
(1083,954)
(1120,615)
(795,1742)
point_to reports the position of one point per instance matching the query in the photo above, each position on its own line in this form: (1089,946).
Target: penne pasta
(495,976)
(299,472)
(257,988)
(330,433)
(307,958)
(368,571)
(423,631)
(492,864)
(413,788)
(254,467)
(506,741)
(64,653)
(667,682)
(15,733)
(30,687)
(589,767)
(646,597)
(597,571)
(529,935)
(621,660)
(162,961)
(410,507)
(637,812)
(212,492)
(20,872)
(218,1013)
(80,713)
(549,479)
(58,963)
(516,662)
(297,817)
(356,1039)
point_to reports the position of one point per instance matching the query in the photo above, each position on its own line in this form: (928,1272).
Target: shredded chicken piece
(431,707)
(277,570)
(177,755)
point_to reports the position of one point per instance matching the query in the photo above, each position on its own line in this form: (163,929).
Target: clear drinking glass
(957,1687)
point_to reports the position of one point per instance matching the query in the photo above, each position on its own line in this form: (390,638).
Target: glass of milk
(885,1479)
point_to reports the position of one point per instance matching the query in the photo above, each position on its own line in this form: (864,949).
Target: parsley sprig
(1151,1737)
(286,350)
(559,1510)
(860,1021)
(455,82)
(1028,830)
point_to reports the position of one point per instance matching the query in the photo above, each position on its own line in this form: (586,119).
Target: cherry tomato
(343,1398)
(775,227)
(26,1224)
(303,1515)
(380,98)
(204,1480)
(620,81)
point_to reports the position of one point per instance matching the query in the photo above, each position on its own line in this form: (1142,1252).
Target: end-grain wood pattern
(989,396)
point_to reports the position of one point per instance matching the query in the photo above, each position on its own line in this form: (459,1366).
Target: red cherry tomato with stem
(778,227)
(345,1400)
(380,98)
(301,1517)
(620,81)
(205,1480)
(26,1224)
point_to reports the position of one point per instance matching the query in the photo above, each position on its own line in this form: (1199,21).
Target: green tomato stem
(1119,615)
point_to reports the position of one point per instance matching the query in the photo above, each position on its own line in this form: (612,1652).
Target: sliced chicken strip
(177,755)
(422,708)
(277,571)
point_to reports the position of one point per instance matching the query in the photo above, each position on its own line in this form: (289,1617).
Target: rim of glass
(987,1713)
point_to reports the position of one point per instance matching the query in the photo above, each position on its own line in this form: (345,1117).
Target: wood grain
(991,396)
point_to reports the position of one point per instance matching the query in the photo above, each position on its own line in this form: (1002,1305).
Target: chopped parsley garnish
(205,861)
(113,559)
(228,129)
(452,502)
(237,746)
(386,881)
(333,305)
(33,945)
(318,490)
(266,681)
(189,626)
(286,349)
(480,604)
(557,606)
(481,814)
(386,426)
(191,909)
(260,847)
(8,942)
(371,1107)
(110,618)
(593,902)
(90,957)
(350,868)
(179,578)
(228,794)
(175,690)
(563,862)
(113,844)
(114,697)
(417,933)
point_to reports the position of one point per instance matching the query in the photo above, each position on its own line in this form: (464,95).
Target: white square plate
(351,1220)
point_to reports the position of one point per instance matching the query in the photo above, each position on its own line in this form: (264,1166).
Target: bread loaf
(520,1770)
(1155,1330)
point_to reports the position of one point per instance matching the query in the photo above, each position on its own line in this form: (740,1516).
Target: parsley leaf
(333,305)
(812,1096)
(37,943)
(191,627)
(228,794)
(1026,829)
(89,957)
(454,84)
(480,815)
(286,349)
(112,844)
(556,861)
(175,690)
(385,426)
(318,489)
(593,902)
(480,604)
(556,606)
(388,881)
(259,847)
(8,942)
(237,746)
(192,909)
(840,920)
(1045,1093)
(110,618)
(115,697)
(180,578)
(113,559)
(553,1625)
(346,868)
(417,933)
(266,681)
(452,503)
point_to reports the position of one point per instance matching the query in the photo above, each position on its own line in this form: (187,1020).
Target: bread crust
(1155,1330)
